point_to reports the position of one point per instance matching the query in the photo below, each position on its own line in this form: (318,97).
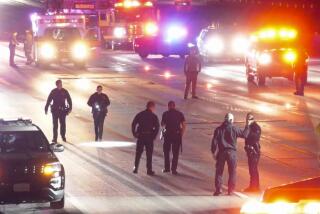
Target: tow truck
(276,52)
(59,37)
(302,197)
(126,22)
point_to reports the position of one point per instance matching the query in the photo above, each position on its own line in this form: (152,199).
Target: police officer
(28,47)
(252,148)
(300,76)
(224,149)
(192,67)
(12,48)
(61,105)
(99,103)
(173,124)
(145,127)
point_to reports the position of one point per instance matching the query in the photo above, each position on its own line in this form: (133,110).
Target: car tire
(143,55)
(261,80)
(57,204)
(250,77)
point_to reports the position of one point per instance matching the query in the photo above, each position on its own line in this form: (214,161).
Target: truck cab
(59,38)
(276,53)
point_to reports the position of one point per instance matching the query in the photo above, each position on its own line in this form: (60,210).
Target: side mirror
(57,147)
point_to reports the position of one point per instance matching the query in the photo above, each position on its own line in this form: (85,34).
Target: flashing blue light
(175,33)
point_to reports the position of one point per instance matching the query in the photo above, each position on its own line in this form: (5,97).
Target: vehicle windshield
(134,14)
(23,141)
(62,34)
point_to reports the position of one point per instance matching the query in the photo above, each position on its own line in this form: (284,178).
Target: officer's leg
(175,154)
(166,153)
(188,82)
(149,151)
(194,84)
(139,151)
(101,122)
(12,54)
(219,171)
(55,126)
(254,174)
(62,120)
(232,166)
(96,126)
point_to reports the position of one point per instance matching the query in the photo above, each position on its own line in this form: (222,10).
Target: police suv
(30,172)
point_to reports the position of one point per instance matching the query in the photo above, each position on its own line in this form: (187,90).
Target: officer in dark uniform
(145,127)
(224,142)
(300,76)
(12,48)
(61,106)
(252,148)
(28,43)
(192,67)
(173,124)
(99,103)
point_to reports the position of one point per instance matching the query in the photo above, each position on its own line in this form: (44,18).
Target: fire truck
(59,37)
(126,22)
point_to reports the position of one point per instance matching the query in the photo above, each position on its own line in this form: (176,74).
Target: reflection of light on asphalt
(264,108)
(209,85)
(146,68)
(312,207)
(4,50)
(108,144)
(83,83)
(288,106)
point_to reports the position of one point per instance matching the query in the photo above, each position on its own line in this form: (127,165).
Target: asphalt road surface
(99,176)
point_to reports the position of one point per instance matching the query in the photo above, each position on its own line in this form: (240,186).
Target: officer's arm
(183,124)
(186,65)
(199,65)
(90,101)
(242,133)
(107,101)
(163,119)
(256,133)
(49,100)
(156,127)
(214,142)
(134,125)
(69,100)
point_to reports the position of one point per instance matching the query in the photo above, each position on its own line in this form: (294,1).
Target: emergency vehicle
(60,37)
(302,197)
(276,52)
(126,22)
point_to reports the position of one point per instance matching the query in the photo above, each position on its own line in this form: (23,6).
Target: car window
(21,142)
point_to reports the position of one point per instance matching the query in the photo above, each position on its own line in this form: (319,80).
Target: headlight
(176,33)
(80,51)
(47,51)
(240,45)
(290,56)
(264,59)
(214,45)
(119,32)
(52,169)
(151,29)
(254,207)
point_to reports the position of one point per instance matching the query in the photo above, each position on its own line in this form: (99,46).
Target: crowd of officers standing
(146,126)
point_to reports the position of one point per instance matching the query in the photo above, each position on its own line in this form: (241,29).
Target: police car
(216,44)
(301,197)
(170,38)
(276,52)
(30,171)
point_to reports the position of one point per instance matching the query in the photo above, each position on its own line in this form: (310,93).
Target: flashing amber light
(148,4)
(290,56)
(275,33)
(151,28)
